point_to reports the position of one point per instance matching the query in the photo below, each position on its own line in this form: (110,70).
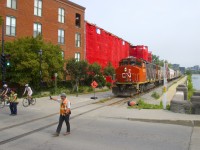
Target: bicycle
(27,101)
(3,101)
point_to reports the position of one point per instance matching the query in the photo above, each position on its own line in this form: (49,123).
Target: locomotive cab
(129,75)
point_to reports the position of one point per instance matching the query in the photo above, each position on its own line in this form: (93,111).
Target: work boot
(55,134)
(66,133)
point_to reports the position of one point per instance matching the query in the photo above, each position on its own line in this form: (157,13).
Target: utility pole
(164,100)
(40,53)
(3,55)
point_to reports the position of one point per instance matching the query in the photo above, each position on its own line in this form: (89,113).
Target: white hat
(26,85)
(63,95)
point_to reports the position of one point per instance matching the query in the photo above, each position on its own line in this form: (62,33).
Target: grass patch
(155,95)
(143,105)
(190,87)
(104,100)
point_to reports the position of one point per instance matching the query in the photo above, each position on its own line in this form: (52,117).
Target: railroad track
(5,141)
(137,95)
(110,102)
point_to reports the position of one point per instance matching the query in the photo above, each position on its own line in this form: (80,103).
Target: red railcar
(103,47)
(139,51)
(150,57)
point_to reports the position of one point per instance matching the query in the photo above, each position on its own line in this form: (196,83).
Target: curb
(190,123)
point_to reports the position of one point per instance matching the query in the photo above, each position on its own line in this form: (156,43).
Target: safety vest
(12,98)
(63,106)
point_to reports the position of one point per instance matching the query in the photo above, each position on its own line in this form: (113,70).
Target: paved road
(109,128)
(89,133)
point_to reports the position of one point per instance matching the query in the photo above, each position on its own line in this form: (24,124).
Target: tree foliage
(25,61)
(77,71)
(156,60)
(96,74)
(109,70)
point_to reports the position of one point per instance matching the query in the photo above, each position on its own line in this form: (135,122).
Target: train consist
(135,75)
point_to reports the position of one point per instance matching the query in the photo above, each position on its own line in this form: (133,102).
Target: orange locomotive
(136,75)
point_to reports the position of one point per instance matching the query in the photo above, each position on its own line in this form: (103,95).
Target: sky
(170,28)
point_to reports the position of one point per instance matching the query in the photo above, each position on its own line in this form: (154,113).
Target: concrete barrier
(182,85)
(179,105)
(183,89)
(196,93)
(195,100)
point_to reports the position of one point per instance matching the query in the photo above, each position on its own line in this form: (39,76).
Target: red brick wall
(25,18)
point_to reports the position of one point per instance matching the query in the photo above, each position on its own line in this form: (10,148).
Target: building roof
(73,4)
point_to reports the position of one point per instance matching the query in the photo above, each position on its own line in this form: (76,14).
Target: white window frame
(78,56)
(78,40)
(37,29)
(61,15)
(12,4)
(10,26)
(38,8)
(61,36)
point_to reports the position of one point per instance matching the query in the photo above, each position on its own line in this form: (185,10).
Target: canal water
(196,81)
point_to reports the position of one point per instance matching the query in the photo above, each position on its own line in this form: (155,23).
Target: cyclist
(29,91)
(5,93)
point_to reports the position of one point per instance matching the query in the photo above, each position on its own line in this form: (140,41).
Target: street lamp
(40,53)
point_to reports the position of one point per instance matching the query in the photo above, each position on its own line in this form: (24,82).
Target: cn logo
(127,74)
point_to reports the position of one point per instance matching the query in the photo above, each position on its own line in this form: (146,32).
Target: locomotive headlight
(125,69)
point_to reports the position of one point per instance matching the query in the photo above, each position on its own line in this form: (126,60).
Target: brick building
(58,21)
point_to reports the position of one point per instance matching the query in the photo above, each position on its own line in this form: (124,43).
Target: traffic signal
(7,59)
(3,60)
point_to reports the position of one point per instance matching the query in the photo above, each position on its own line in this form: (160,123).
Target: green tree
(77,71)
(155,59)
(25,61)
(96,74)
(109,70)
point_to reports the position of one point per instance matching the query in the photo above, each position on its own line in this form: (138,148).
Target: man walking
(64,113)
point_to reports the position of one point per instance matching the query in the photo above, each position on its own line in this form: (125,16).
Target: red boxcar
(103,47)
(139,51)
(150,57)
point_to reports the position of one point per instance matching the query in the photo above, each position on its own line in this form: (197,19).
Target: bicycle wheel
(33,101)
(25,102)
(2,103)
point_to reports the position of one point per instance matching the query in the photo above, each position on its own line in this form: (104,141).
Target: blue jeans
(61,119)
(13,108)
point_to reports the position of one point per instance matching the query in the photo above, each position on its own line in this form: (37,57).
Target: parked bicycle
(27,101)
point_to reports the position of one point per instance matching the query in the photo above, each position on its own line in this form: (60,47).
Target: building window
(38,8)
(37,29)
(12,4)
(61,36)
(61,15)
(11,26)
(78,40)
(98,31)
(78,20)
(77,56)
